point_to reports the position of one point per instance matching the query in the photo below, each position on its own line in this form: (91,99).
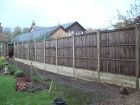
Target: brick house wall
(59,34)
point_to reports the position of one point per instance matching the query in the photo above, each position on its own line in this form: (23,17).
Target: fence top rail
(117,30)
(88,33)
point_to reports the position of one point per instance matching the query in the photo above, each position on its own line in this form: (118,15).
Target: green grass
(8,95)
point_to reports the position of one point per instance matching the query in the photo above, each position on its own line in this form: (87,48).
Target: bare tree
(131,16)
(25,30)
(17,31)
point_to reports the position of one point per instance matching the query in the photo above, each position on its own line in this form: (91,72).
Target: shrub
(2,62)
(37,78)
(19,74)
(11,69)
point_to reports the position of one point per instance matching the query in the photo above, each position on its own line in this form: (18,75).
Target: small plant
(11,69)
(2,62)
(36,78)
(14,70)
(19,74)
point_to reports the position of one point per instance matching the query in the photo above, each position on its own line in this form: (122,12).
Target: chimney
(0,28)
(33,24)
(59,24)
(32,27)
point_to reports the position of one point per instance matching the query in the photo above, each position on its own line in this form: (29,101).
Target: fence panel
(65,51)
(25,50)
(50,52)
(118,52)
(39,51)
(16,50)
(86,52)
(20,50)
(31,50)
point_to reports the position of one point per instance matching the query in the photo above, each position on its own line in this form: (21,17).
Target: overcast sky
(89,13)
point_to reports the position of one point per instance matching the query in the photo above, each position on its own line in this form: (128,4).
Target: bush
(2,62)
(19,74)
(11,69)
(37,78)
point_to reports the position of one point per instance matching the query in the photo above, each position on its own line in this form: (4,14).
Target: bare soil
(131,99)
(25,84)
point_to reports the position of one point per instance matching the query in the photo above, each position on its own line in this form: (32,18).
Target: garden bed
(25,84)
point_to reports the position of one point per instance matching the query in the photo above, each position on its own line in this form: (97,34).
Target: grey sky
(89,13)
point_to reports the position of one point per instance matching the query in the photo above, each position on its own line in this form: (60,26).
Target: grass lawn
(8,95)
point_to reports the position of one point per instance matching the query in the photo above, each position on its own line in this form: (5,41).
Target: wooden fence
(114,51)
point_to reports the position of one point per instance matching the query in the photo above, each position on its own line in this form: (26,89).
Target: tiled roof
(65,26)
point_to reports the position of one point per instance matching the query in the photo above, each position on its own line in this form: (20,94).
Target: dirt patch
(22,83)
(25,84)
(132,99)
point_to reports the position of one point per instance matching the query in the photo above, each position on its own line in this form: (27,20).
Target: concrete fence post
(98,54)
(137,50)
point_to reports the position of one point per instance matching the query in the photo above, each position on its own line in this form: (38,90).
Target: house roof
(38,34)
(41,32)
(68,25)
(65,26)
(3,37)
(37,28)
